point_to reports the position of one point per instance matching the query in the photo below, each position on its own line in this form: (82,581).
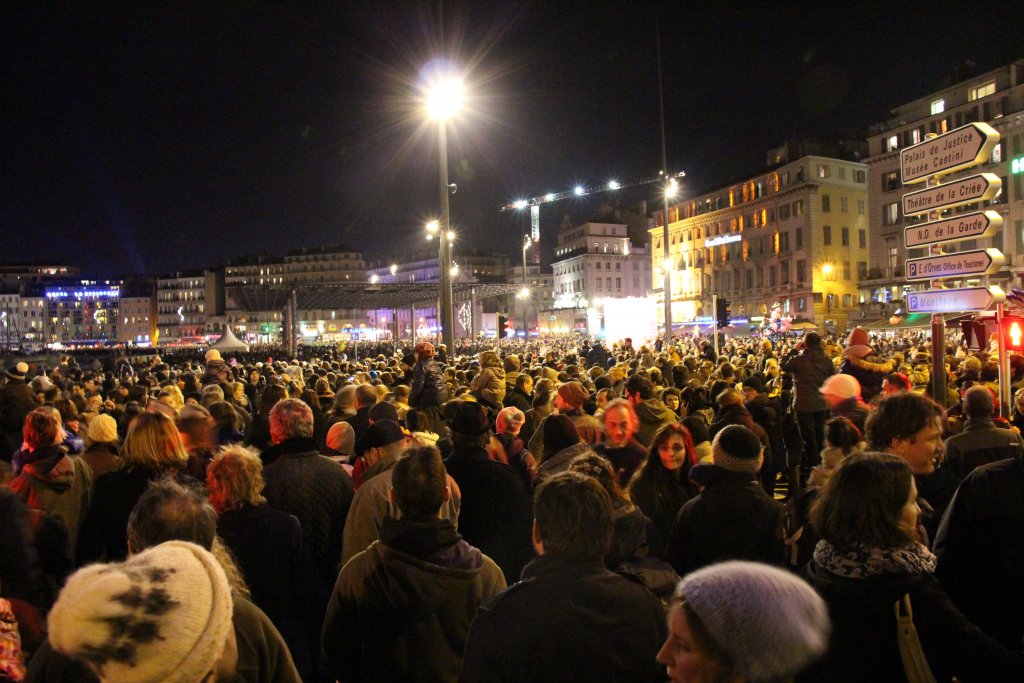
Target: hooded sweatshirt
(56,483)
(401,609)
(489,384)
(653,415)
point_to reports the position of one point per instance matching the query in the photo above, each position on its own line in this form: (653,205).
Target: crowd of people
(553,509)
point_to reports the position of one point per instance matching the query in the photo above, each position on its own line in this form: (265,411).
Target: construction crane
(534,203)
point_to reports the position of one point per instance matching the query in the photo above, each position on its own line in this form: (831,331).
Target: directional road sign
(961,148)
(966,226)
(954,300)
(973,188)
(976,262)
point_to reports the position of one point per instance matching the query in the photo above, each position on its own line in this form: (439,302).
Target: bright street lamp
(443,97)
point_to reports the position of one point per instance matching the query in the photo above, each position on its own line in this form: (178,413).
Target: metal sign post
(929,160)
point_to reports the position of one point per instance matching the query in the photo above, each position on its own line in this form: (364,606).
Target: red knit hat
(425,350)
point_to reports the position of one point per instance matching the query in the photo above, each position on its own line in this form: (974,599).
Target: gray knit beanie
(770,623)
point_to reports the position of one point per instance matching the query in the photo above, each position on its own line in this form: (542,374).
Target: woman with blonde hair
(267,544)
(153,448)
(171,395)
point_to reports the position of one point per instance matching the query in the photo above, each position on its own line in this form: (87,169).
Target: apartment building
(796,235)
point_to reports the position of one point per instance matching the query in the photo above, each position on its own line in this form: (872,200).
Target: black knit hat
(559,433)
(738,449)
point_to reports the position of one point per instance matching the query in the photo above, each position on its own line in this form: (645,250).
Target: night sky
(150,137)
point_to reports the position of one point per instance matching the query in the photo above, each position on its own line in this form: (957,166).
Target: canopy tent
(229,342)
(907,322)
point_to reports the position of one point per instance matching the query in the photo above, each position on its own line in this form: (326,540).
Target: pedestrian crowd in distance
(557,509)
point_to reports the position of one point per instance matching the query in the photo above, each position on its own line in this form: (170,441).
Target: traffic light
(722,312)
(975,334)
(1013,331)
(502,326)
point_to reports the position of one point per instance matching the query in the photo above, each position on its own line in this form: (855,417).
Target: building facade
(181,306)
(796,236)
(995,97)
(593,262)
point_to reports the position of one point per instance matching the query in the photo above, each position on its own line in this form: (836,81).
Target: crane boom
(581,191)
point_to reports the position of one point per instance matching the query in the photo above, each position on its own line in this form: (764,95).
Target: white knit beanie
(770,623)
(163,615)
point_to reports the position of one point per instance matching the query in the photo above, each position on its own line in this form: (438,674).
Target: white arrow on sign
(967,226)
(974,262)
(954,300)
(961,148)
(975,188)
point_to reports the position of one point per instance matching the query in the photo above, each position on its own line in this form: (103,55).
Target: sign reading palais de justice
(954,300)
(964,227)
(958,149)
(976,262)
(975,188)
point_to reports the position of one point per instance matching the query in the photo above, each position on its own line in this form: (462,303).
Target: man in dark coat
(401,609)
(732,518)
(16,401)
(981,442)
(980,546)
(429,389)
(366,398)
(768,414)
(569,618)
(810,367)
(598,355)
(495,514)
(308,485)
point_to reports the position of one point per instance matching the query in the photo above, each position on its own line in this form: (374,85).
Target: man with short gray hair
(982,441)
(314,488)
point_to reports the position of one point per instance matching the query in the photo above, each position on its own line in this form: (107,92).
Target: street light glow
(549,197)
(614,185)
(394,268)
(519,204)
(672,188)
(451,235)
(444,97)
(374,279)
(432,226)
(579,190)
(826,269)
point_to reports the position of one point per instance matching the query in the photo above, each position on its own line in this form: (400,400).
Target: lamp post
(443,97)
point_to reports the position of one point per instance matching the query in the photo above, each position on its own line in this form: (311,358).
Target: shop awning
(910,321)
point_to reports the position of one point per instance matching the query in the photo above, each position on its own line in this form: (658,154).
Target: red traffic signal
(1013,332)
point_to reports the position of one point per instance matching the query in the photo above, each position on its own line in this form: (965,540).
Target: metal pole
(714,324)
(939,358)
(1004,364)
(447,321)
(938,328)
(526,286)
(665,263)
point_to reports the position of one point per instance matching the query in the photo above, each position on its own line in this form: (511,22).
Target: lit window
(981,91)
(892,143)
(938,106)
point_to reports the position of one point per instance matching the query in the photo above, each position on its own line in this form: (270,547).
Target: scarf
(862,562)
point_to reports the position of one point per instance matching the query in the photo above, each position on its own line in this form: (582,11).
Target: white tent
(229,342)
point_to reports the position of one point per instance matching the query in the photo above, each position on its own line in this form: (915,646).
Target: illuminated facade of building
(82,313)
(796,235)
(995,97)
(181,305)
(593,262)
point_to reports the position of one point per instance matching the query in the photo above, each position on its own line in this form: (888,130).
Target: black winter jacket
(731,519)
(567,620)
(429,388)
(810,370)
(318,491)
(864,647)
